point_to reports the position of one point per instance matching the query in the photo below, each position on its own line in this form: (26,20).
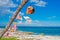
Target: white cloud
(33,23)
(19,22)
(36,1)
(3,2)
(21,13)
(7,3)
(39,3)
(52,17)
(20,1)
(38,23)
(51,23)
(28,19)
(5,6)
(9,11)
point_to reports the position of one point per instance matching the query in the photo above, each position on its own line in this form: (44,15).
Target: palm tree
(14,16)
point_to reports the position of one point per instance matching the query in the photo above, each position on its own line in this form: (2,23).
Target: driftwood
(14,16)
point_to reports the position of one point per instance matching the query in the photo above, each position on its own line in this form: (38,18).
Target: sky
(47,12)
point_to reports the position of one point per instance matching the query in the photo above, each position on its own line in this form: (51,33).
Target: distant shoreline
(38,30)
(35,26)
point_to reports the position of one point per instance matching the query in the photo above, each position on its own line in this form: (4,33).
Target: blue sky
(47,12)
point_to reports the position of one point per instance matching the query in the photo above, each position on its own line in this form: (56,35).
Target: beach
(27,35)
(30,36)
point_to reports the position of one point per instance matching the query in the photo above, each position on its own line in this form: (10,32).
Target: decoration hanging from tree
(30,10)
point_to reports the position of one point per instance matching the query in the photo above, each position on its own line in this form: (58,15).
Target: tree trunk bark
(14,16)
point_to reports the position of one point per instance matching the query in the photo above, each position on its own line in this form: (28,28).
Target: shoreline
(1,29)
(21,35)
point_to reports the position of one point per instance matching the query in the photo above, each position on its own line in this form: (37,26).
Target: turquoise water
(38,30)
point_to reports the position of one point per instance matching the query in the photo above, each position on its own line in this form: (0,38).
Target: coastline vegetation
(10,38)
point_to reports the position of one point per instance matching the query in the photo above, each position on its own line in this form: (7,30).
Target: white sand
(22,36)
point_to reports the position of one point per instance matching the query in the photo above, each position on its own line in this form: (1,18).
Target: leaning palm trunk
(14,16)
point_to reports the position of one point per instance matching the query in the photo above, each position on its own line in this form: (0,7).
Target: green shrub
(11,38)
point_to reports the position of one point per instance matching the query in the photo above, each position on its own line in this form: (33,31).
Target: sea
(50,30)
